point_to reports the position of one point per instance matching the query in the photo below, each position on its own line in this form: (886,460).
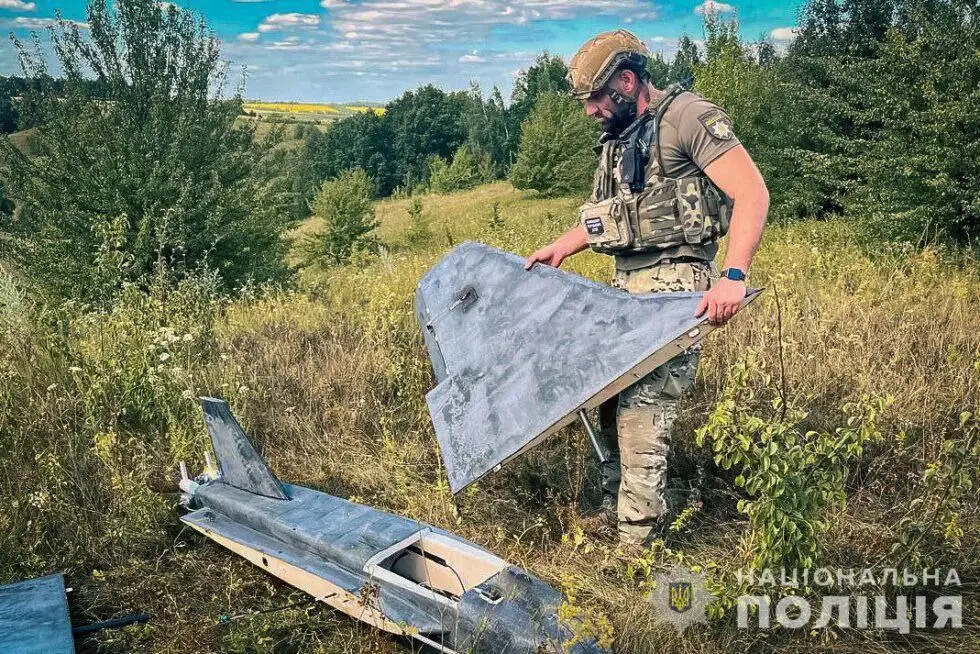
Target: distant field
(308,111)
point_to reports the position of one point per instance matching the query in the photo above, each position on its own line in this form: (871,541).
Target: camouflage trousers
(640,419)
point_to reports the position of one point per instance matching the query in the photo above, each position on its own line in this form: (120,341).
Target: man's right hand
(573,241)
(550,255)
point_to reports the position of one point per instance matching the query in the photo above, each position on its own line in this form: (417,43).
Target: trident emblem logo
(681,596)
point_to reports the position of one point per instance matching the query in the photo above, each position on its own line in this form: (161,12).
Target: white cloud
(712,7)
(431,40)
(659,39)
(44,23)
(288,44)
(17,5)
(290,20)
(784,33)
(248,36)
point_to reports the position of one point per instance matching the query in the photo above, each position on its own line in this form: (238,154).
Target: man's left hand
(722,301)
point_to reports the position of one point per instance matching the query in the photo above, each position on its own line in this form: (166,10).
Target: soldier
(672,179)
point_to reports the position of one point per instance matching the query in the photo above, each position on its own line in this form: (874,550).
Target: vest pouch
(657,222)
(606,224)
(703,210)
(719,209)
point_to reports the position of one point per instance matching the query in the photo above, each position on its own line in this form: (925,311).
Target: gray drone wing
(517,354)
(34,617)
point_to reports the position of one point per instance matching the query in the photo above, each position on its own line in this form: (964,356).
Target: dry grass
(330,380)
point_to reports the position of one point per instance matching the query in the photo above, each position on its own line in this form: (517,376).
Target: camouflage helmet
(595,62)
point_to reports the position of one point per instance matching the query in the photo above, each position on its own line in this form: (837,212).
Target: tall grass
(330,378)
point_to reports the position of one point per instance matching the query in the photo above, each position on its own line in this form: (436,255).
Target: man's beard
(623,116)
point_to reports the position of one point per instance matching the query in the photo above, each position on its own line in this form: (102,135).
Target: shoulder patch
(717,124)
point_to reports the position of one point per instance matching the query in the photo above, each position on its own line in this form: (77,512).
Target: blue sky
(345,50)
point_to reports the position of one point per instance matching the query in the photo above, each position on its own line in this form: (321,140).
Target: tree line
(139,165)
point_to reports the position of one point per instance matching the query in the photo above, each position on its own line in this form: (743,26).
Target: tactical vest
(636,209)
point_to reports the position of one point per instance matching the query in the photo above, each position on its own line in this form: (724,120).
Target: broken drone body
(399,575)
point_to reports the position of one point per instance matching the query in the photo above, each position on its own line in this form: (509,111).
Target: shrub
(792,477)
(556,154)
(143,169)
(344,204)
(468,169)
(496,222)
(420,229)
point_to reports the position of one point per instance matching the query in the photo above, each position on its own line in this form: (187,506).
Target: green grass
(330,380)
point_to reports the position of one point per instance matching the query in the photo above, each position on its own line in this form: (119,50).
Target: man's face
(600,107)
(614,116)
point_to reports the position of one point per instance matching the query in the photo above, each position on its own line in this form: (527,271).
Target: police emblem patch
(680,598)
(718,124)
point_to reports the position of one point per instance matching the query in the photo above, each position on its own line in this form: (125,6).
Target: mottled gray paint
(34,617)
(240,465)
(515,352)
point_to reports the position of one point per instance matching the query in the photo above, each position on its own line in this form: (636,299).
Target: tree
(765,53)
(466,170)
(821,31)
(489,131)
(143,171)
(871,114)
(919,162)
(344,205)
(687,57)
(659,70)
(778,120)
(422,123)
(360,141)
(548,74)
(6,205)
(10,87)
(556,155)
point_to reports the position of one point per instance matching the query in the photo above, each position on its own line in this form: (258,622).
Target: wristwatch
(733,274)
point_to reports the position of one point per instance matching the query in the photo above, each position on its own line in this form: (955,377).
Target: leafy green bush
(344,204)
(467,169)
(792,477)
(144,170)
(947,496)
(556,154)
(420,228)
(99,407)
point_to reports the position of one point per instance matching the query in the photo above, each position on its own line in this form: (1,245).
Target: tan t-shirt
(693,133)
